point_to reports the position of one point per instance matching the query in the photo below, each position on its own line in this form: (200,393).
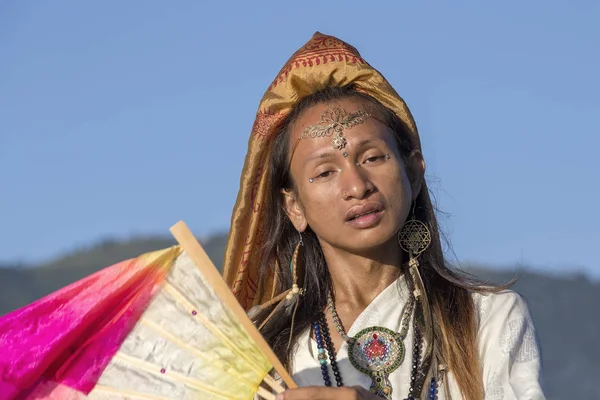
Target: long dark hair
(448,290)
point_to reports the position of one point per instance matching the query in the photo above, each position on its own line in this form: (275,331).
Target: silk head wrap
(324,61)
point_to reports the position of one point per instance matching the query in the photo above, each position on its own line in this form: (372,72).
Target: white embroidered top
(508,348)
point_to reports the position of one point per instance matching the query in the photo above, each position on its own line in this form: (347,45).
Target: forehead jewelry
(332,123)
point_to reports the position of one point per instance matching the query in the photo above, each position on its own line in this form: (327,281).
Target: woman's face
(356,197)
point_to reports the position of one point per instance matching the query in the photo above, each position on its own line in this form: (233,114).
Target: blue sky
(120,118)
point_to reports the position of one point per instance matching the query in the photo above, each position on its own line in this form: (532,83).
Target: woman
(334,205)
(335,252)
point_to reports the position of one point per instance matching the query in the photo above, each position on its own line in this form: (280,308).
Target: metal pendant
(381,386)
(377,351)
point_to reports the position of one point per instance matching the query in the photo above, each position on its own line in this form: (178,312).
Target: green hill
(564,308)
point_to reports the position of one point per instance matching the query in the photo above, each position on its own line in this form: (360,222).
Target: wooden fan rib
(269,380)
(195,251)
(197,352)
(265,394)
(213,329)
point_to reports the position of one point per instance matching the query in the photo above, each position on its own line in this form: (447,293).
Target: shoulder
(508,346)
(505,305)
(506,325)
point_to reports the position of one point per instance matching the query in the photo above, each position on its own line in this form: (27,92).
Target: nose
(356,183)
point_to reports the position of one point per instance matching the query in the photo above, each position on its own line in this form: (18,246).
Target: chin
(370,240)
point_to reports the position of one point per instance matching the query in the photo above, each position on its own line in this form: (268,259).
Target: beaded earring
(290,295)
(294,270)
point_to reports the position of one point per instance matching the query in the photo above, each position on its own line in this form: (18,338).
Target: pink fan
(158,327)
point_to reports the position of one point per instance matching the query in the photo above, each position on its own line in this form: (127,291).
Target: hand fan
(190,340)
(193,342)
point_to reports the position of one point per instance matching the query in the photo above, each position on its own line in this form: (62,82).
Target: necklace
(324,346)
(376,351)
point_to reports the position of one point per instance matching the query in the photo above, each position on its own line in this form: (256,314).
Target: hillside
(564,308)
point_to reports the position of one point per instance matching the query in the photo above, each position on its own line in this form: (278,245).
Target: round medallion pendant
(376,350)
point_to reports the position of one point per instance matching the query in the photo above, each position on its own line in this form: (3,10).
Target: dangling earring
(295,291)
(291,295)
(294,270)
(414,238)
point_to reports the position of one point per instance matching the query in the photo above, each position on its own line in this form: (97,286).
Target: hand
(327,393)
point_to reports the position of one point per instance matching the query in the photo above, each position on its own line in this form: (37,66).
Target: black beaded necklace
(326,349)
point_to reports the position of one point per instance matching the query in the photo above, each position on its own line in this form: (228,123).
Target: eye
(373,159)
(325,174)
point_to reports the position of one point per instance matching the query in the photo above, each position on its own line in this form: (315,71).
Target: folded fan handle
(190,245)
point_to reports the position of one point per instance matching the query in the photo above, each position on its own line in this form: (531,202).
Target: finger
(364,394)
(319,393)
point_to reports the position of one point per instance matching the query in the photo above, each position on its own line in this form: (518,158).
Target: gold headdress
(322,62)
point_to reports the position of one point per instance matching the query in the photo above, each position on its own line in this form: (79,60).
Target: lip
(364,215)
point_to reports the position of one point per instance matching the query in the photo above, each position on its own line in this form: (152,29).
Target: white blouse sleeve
(508,348)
